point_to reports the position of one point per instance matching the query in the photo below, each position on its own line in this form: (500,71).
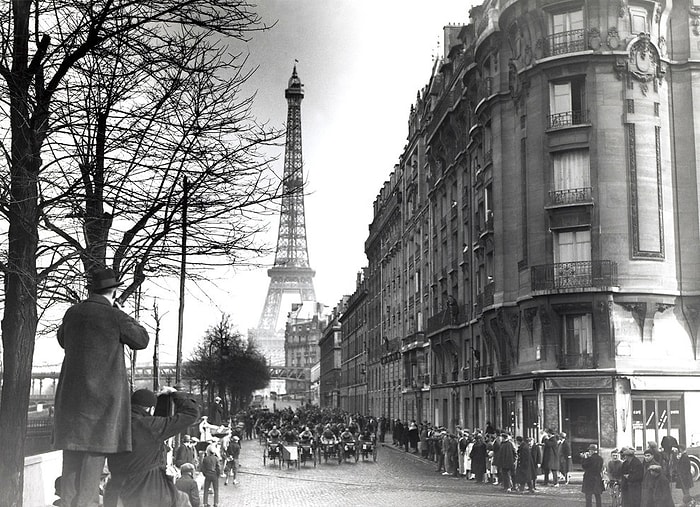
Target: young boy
(210,469)
(187,484)
(232,452)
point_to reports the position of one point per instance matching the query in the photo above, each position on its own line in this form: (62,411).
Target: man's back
(188,485)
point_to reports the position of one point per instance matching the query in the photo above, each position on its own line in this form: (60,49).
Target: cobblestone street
(396,478)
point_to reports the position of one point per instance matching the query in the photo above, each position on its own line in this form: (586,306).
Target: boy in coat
(92,397)
(188,485)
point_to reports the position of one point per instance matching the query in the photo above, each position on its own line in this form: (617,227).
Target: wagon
(367,450)
(307,453)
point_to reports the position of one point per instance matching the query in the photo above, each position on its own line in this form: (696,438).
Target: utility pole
(156,350)
(183,263)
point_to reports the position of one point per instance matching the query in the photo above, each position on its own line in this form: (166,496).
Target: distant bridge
(45,377)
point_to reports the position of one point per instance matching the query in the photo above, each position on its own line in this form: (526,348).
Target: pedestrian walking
(92,409)
(138,478)
(232,453)
(592,476)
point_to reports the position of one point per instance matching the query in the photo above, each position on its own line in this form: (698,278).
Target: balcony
(567,119)
(570,197)
(455,376)
(504,367)
(466,373)
(452,316)
(443,378)
(485,370)
(563,43)
(574,275)
(577,361)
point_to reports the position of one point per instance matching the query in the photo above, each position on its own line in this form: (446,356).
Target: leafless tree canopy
(105,108)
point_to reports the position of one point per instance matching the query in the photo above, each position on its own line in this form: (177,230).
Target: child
(210,469)
(232,452)
(187,484)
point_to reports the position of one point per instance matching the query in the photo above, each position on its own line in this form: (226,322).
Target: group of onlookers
(514,463)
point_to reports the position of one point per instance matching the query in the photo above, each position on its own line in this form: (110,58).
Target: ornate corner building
(533,258)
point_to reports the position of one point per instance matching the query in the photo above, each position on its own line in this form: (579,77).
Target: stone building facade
(533,257)
(353,367)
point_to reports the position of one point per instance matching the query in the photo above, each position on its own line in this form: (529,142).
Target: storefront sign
(514,385)
(670,383)
(578,383)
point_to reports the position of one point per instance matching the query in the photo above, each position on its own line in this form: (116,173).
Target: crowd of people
(516,463)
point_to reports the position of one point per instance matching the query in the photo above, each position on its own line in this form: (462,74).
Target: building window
(567,34)
(656,418)
(567,103)
(578,335)
(572,258)
(571,175)
(638,20)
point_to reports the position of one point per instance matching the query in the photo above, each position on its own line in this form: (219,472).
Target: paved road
(394,480)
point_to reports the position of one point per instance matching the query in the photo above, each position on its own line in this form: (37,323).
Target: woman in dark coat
(550,458)
(525,468)
(478,457)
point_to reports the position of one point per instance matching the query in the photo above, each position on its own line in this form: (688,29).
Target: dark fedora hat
(104,279)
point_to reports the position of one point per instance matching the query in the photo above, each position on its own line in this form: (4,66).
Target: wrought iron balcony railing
(567,119)
(563,43)
(574,275)
(577,361)
(570,196)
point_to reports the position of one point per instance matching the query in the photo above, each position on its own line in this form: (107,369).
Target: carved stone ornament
(638,311)
(662,46)
(623,9)
(643,60)
(514,83)
(613,39)
(594,39)
(694,12)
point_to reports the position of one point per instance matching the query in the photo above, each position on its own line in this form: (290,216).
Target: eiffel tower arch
(291,274)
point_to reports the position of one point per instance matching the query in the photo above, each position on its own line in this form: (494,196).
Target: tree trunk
(20,314)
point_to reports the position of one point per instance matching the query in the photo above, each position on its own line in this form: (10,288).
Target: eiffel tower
(291,274)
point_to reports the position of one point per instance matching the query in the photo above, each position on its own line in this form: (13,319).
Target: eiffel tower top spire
(291,272)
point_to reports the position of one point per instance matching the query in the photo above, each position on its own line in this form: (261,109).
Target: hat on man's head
(103,279)
(144,398)
(627,451)
(593,448)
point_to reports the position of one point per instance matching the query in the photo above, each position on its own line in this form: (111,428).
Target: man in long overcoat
(550,458)
(525,469)
(632,475)
(92,397)
(138,477)
(478,457)
(592,476)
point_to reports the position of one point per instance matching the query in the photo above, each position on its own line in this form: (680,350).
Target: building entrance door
(580,422)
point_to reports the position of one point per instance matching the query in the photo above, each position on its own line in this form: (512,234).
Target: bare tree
(43,47)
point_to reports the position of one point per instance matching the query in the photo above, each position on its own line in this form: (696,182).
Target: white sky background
(362,63)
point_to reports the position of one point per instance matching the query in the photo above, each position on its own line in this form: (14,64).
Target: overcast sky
(362,63)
